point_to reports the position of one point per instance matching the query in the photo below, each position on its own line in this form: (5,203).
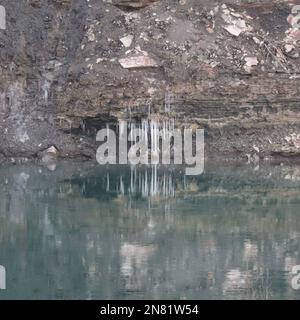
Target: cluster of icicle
(150,127)
(148,183)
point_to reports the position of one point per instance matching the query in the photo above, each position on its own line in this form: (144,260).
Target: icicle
(122,127)
(107,130)
(149,109)
(129,110)
(131,181)
(83,126)
(154,142)
(146,183)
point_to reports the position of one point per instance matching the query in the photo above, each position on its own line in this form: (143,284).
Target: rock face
(68,67)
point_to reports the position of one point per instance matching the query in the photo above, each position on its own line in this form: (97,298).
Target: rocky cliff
(70,66)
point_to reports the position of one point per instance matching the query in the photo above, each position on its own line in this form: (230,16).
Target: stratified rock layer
(70,66)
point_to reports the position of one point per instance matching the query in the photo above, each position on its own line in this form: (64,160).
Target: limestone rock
(127,41)
(250,62)
(234,30)
(138,61)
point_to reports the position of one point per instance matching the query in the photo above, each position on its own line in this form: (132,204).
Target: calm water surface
(81,231)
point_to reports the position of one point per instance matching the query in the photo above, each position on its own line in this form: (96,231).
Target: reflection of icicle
(149,186)
(122,191)
(167,209)
(154,182)
(83,188)
(171,187)
(141,183)
(133,180)
(107,182)
(146,183)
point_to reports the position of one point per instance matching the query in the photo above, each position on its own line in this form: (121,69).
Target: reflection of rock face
(16,202)
(134,267)
(74,238)
(236,281)
(250,251)
(135,255)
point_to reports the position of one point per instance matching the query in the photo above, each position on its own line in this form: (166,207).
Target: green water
(81,231)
